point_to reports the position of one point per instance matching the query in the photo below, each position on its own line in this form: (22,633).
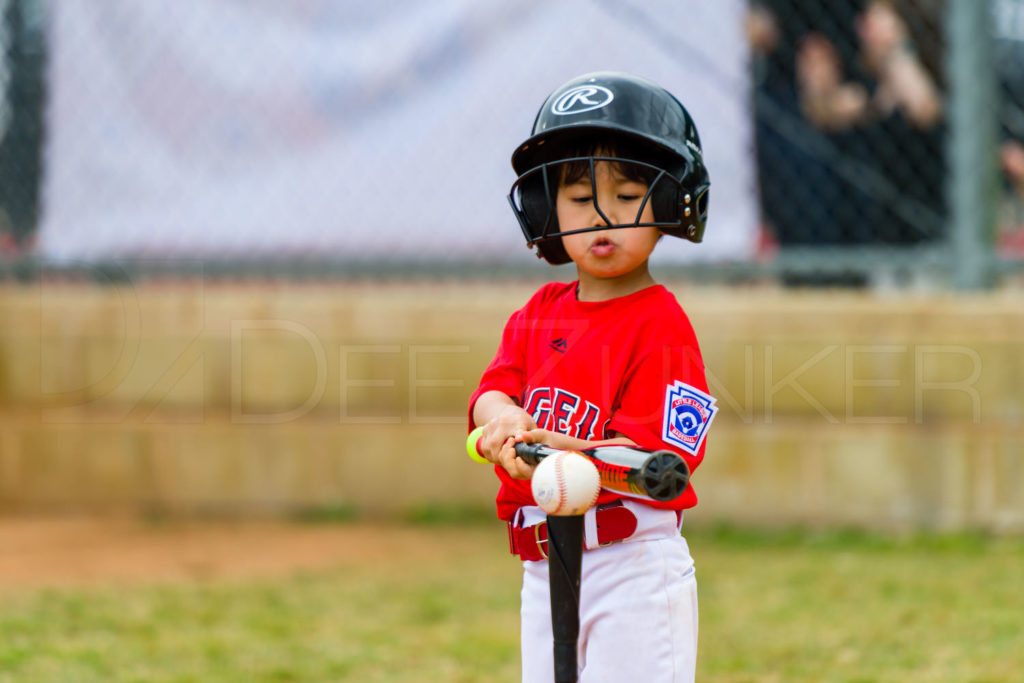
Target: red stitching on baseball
(597,494)
(560,478)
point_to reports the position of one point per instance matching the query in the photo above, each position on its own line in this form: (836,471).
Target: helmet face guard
(678,210)
(622,119)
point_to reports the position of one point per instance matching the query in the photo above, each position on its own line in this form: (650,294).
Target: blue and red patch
(688,414)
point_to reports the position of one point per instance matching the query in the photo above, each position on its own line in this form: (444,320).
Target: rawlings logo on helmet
(581,99)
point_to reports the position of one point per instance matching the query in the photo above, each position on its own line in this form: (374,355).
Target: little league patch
(688,414)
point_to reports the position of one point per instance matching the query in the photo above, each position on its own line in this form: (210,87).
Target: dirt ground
(73,551)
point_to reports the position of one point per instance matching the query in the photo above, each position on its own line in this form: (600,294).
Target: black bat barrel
(665,475)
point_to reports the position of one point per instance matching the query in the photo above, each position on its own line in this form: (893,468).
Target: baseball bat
(659,475)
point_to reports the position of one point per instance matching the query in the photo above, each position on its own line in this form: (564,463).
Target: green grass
(434,617)
(847,606)
(779,606)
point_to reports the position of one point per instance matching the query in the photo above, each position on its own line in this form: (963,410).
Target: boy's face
(606,253)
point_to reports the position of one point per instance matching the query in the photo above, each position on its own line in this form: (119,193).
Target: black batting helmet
(644,125)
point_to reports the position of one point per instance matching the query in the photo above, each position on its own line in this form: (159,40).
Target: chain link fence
(888,137)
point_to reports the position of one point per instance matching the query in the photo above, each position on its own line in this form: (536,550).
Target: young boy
(613,164)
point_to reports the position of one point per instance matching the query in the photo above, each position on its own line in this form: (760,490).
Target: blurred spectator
(849,120)
(903,128)
(800,188)
(1008,26)
(21,100)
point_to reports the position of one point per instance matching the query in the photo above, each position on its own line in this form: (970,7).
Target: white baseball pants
(638,607)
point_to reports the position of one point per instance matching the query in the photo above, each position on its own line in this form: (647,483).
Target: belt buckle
(540,542)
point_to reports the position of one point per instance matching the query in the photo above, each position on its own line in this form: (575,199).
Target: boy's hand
(570,443)
(501,433)
(516,467)
(553,439)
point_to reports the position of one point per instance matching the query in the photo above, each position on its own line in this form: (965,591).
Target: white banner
(223,128)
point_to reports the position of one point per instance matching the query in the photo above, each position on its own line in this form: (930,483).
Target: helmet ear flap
(685,204)
(537,216)
(537,210)
(665,202)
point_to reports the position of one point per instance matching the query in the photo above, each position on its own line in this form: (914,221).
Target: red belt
(615,522)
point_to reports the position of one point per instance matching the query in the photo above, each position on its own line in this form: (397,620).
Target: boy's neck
(592,288)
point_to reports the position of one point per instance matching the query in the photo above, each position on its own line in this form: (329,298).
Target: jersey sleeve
(506,372)
(665,404)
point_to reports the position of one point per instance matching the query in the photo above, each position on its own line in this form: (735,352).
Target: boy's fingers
(514,465)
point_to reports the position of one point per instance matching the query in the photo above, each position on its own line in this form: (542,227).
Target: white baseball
(566,483)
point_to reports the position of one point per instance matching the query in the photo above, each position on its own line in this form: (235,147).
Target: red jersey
(591,370)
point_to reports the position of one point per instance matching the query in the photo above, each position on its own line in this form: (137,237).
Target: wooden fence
(869,410)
